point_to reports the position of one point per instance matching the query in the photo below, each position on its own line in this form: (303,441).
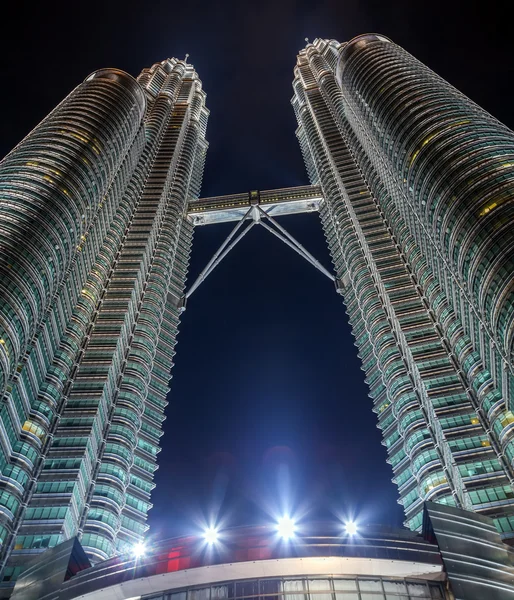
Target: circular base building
(254,563)
(459,556)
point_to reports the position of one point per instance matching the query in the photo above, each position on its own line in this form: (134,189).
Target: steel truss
(256,216)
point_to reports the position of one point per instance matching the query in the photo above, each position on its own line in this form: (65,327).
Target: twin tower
(414,184)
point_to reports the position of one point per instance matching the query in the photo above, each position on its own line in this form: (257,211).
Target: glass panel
(398,587)
(319,585)
(270,587)
(202,594)
(222,592)
(320,589)
(247,588)
(371,589)
(294,589)
(418,590)
(436,591)
(370,585)
(346,589)
(345,584)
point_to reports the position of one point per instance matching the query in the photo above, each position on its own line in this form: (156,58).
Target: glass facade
(320,563)
(358,588)
(460,555)
(93,257)
(417,210)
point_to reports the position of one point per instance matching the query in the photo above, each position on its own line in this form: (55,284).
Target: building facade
(93,258)
(255,563)
(459,557)
(418,210)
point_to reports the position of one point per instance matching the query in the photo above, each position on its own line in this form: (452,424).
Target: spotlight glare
(286,527)
(138,550)
(351,527)
(210,535)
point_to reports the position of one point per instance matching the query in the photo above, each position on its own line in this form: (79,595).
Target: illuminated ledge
(285,201)
(282,567)
(256,552)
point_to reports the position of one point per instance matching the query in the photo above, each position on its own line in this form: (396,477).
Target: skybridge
(255,208)
(285,201)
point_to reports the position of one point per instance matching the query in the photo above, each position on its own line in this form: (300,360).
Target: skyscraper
(93,259)
(413,183)
(418,209)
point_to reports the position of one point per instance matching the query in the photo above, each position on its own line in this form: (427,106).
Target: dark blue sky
(268,404)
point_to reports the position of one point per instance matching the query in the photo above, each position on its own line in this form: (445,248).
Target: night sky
(268,410)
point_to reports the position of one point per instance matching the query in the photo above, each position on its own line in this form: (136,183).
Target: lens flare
(351,527)
(139,550)
(286,527)
(211,535)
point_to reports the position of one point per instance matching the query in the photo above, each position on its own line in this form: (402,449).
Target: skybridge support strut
(258,216)
(289,240)
(222,251)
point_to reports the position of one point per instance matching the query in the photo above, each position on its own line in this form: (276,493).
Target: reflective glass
(345,585)
(418,590)
(294,589)
(247,588)
(370,585)
(221,592)
(319,589)
(202,594)
(398,587)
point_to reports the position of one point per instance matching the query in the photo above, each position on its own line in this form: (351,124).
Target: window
(346,589)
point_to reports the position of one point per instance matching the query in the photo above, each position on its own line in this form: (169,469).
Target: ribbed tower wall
(60,187)
(95,411)
(443,444)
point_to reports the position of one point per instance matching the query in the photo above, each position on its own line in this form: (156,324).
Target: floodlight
(351,527)
(210,535)
(286,527)
(138,550)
